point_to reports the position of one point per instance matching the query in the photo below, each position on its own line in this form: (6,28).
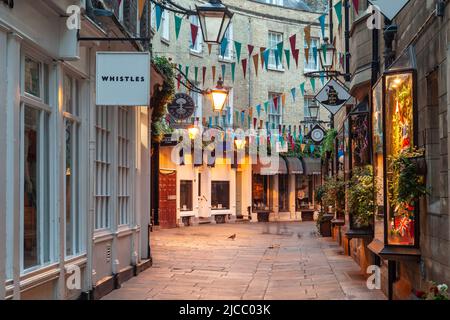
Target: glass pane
(69,191)
(36,219)
(399,140)
(32,77)
(46,84)
(302,191)
(260,192)
(186,195)
(220,195)
(68,94)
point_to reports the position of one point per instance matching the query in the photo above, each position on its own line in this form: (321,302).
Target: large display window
(396,157)
(260,192)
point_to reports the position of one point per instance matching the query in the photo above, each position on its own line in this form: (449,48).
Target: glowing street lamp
(219,96)
(240,144)
(327,55)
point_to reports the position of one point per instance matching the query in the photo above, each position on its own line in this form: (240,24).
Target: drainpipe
(347,40)
(331,21)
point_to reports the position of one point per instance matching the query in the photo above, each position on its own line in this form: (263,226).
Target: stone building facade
(422,27)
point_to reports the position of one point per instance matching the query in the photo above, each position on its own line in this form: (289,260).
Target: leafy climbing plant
(361,196)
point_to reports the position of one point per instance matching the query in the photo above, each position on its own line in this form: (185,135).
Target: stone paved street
(265,261)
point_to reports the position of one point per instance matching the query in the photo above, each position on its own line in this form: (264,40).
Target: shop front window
(220,195)
(400,142)
(303,192)
(260,192)
(186,195)
(283,192)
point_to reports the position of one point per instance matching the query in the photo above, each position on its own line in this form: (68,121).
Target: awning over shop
(278,166)
(294,165)
(312,166)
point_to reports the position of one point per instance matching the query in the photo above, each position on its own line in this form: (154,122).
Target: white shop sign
(123,79)
(390,8)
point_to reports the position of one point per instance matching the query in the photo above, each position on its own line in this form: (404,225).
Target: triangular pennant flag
(196,74)
(158,13)
(293,93)
(256,63)
(307,55)
(194,33)
(293,42)
(238,47)
(141,5)
(258,110)
(250,112)
(224,68)
(261,52)
(302,147)
(178,21)
(244,67)
(356,6)
(266,55)
(322,24)
(287,53)
(313,84)
(233,71)
(223,46)
(236,115)
(254,122)
(322,77)
(266,107)
(283,100)
(213,69)
(186,72)
(204,75)
(296,54)
(242,117)
(324,53)
(315,54)
(312,148)
(280,51)
(178,81)
(275,102)
(338,10)
(210,121)
(209,48)
(307,31)
(249,120)
(250,49)
(302,89)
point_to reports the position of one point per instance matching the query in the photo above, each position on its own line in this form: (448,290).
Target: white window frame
(272,45)
(77,204)
(197,48)
(198,99)
(273,113)
(275,2)
(30,101)
(309,66)
(124,166)
(229,105)
(229,52)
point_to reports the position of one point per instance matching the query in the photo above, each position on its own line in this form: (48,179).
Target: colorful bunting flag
(186,72)
(158,13)
(280,51)
(196,75)
(266,55)
(266,107)
(194,33)
(261,52)
(307,55)
(223,46)
(224,68)
(338,10)
(307,31)
(204,75)
(293,42)
(209,48)
(250,49)
(178,21)
(244,67)
(283,100)
(233,71)
(258,110)
(315,54)
(296,54)
(302,88)
(275,102)
(238,47)
(141,5)
(293,93)
(256,63)
(213,69)
(287,53)
(313,84)
(356,6)
(322,24)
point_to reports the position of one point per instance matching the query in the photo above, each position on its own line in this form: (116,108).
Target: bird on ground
(232,237)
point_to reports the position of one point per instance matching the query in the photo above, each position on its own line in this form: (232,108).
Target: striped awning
(277,167)
(312,166)
(294,165)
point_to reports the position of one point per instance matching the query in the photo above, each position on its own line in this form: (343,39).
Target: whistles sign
(123,79)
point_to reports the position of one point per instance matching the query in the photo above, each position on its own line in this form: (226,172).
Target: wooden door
(168,200)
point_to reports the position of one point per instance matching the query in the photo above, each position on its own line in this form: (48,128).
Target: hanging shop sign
(333,96)
(123,79)
(317,134)
(182,106)
(390,9)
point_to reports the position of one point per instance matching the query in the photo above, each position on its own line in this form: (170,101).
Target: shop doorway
(168,200)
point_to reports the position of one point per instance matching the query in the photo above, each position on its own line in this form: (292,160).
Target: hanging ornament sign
(182,107)
(333,96)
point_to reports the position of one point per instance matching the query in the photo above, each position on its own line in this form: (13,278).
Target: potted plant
(361,198)
(330,194)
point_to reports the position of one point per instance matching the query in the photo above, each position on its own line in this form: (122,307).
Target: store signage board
(390,8)
(123,79)
(182,106)
(333,96)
